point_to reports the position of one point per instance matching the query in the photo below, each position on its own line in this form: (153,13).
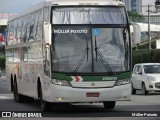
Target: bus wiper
(125,41)
(83,56)
(103,60)
(87,48)
(124,34)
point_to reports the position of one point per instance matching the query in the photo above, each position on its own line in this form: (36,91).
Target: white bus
(66,51)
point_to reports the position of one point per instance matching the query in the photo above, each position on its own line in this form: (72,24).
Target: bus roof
(87,2)
(67,3)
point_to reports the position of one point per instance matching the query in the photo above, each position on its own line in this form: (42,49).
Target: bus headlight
(60,82)
(122,82)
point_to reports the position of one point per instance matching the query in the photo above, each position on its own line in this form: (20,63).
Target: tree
(135,17)
(3,28)
(157,2)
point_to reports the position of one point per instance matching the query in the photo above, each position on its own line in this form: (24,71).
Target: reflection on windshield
(79,52)
(72,51)
(103,60)
(151,68)
(83,57)
(111,45)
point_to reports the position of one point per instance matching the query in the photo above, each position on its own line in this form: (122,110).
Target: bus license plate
(92,94)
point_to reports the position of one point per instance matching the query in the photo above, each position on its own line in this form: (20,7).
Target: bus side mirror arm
(135,33)
(47,33)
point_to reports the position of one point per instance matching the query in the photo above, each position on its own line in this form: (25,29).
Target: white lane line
(4,83)
(4,97)
(3,77)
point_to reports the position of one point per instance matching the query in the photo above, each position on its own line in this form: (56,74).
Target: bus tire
(28,99)
(144,91)
(133,90)
(109,104)
(12,84)
(45,106)
(17,97)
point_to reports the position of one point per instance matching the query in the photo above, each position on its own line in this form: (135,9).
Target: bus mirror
(47,33)
(47,45)
(48,54)
(135,33)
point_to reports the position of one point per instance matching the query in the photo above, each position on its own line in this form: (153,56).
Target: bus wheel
(133,90)
(17,97)
(144,91)
(109,104)
(28,99)
(45,106)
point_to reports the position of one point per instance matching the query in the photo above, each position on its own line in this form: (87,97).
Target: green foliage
(2,57)
(2,62)
(145,56)
(146,46)
(135,17)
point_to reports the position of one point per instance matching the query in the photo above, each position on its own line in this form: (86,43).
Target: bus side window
(46,14)
(10,33)
(19,30)
(9,55)
(28,27)
(25,54)
(14,41)
(39,26)
(32,28)
(24,30)
(40,17)
(16,55)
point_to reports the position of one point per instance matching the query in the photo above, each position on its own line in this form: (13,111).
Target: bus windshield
(89,48)
(89,15)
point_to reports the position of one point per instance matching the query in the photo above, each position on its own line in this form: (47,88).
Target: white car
(146,77)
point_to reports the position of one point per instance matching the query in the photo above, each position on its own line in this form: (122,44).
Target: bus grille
(93,84)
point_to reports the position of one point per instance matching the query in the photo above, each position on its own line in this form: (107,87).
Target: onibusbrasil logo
(21,114)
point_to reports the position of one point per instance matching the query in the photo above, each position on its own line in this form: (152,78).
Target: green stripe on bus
(120,76)
(61,76)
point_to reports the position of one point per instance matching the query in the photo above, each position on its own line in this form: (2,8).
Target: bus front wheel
(109,104)
(133,90)
(144,91)
(45,106)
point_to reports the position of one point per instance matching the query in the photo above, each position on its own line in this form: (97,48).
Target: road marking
(4,97)
(3,80)
(3,77)
(4,83)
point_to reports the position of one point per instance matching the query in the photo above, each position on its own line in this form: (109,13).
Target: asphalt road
(139,104)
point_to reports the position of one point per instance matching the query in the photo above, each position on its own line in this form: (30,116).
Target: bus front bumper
(77,95)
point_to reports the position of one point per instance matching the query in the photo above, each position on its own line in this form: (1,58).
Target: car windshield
(151,68)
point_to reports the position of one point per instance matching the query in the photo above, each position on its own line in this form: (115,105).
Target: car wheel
(144,91)
(109,104)
(45,106)
(133,90)
(17,97)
